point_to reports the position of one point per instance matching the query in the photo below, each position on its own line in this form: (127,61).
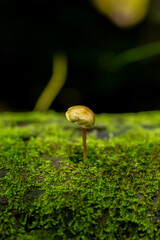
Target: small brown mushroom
(85,118)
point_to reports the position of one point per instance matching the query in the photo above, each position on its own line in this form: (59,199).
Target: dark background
(31,32)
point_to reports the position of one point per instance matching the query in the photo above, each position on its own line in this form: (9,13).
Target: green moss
(49,192)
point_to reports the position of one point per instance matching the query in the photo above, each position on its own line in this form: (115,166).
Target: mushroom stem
(85,149)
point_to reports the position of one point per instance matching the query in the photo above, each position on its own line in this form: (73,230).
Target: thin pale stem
(54,85)
(85,149)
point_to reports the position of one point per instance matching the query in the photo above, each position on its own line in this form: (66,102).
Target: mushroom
(85,118)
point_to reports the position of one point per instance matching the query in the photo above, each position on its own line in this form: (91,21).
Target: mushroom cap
(81,115)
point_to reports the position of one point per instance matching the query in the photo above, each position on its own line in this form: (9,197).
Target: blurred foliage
(34,31)
(134,55)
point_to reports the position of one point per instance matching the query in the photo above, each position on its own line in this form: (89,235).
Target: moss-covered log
(48,192)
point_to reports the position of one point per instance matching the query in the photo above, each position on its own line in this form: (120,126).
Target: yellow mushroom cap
(124,13)
(81,115)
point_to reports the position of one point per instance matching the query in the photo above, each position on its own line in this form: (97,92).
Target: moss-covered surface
(47,192)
